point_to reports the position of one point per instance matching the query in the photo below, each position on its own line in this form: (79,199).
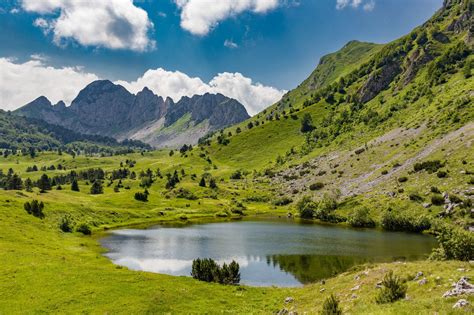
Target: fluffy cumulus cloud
(175,84)
(20,83)
(200,16)
(114,24)
(367,5)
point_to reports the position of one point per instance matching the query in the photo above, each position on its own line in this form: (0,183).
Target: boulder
(461,287)
(461,303)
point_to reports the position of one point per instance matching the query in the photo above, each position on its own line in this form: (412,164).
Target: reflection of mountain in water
(311,268)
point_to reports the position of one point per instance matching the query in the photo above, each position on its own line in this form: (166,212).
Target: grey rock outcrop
(108,109)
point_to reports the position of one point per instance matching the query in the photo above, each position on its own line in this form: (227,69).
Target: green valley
(379,137)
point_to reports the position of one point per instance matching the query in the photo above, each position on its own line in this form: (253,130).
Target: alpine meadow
(170,194)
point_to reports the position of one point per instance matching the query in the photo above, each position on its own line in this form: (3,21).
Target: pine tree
(14,182)
(28,185)
(97,188)
(74,185)
(202,183)
(44,183)
(212,183)
(306,123)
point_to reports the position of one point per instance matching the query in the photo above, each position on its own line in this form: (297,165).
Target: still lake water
(269,252)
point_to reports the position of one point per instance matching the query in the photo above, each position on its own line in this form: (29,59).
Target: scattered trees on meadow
(35,208)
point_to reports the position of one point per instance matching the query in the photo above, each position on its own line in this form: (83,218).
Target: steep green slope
(421,78)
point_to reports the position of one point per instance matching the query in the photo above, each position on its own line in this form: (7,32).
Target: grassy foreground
(46,270)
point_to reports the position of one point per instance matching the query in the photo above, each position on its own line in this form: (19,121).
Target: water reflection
(279,253)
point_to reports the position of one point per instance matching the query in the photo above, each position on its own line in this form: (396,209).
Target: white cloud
(175,84)
(367,5)
(200,16)
(15,11)
(230,44)
(114,24)
(20,83)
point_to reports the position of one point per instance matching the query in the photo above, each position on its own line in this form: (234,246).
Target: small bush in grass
(361,218)
(442,174)
(393,289)
(471,181)
(435,190)
(141,196)
(429,166)
(316,186)
(283,201)
(237,175)
(402,179)
(392,221)
(384,172)
(415,197)
(331,306)
(306,207)
(186,194)
(66,224)
(454,243)
(84,229)
(437,200)
(455,199)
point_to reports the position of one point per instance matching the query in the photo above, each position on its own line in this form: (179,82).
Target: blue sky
(276,43)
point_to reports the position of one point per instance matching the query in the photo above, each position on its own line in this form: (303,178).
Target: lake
(276,252)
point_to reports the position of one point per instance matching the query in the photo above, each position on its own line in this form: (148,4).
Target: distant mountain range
(107,109)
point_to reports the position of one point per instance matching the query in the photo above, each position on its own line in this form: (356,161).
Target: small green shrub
(185,194)
(384,172)
(442,174)
(454,243)
(306,207)
(415,197)
(316,186)
(283,201)
(237,175)
(361,218)
(435,190)
(331,306)
(392,221)
(402,179)
(437,200)
(141,196)
(66,224)
(84,229)
(429,166)
(393,289)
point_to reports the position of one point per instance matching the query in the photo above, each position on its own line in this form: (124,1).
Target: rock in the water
(461,287)
(461,303)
